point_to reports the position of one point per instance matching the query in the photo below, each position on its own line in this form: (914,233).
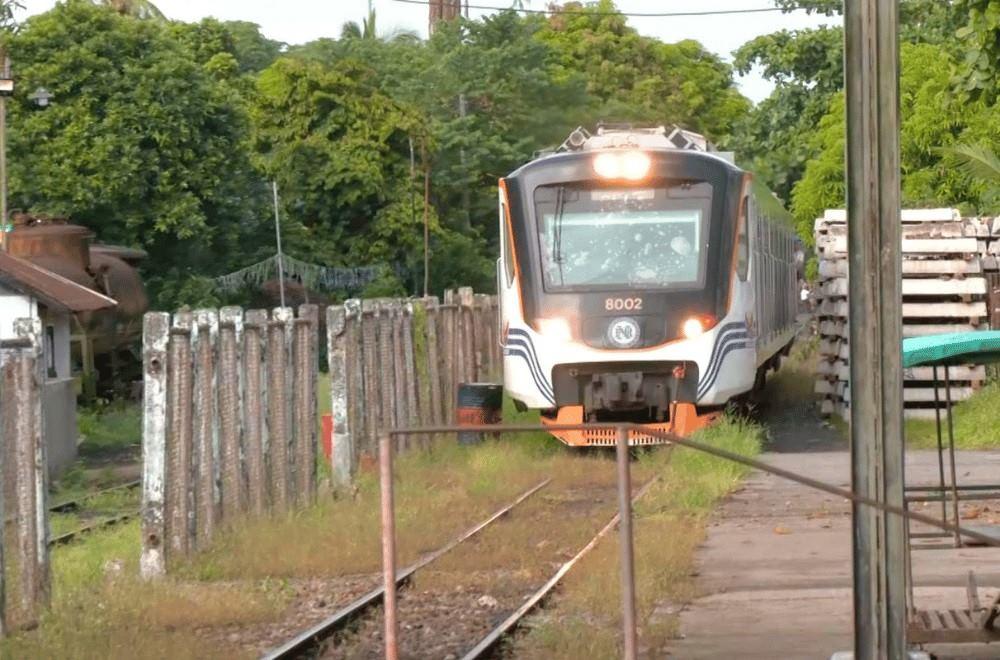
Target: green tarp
(952,348)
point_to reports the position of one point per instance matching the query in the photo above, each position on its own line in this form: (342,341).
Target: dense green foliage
(165,135)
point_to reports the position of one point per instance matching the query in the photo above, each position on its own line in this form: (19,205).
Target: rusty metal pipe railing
(625,521)
(627,549)
(720,453)
(388,546)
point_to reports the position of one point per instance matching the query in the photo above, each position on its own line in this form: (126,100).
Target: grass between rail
(584,620)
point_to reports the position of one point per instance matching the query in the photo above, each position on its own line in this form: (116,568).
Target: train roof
(660,138)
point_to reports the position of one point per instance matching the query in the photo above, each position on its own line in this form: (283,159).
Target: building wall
(59,411)
(14,305)
(58,393)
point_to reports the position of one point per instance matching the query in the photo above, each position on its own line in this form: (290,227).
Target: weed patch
(975,423)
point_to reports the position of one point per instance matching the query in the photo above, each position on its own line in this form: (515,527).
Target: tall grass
(976,423)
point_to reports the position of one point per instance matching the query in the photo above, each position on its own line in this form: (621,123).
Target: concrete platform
(775,569)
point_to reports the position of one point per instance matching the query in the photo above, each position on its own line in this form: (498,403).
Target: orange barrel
(478,403)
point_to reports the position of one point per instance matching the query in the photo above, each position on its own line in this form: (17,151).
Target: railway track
(79,504)
(515,567)
(312,640)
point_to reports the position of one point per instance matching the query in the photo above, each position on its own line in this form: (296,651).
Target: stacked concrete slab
(949,270)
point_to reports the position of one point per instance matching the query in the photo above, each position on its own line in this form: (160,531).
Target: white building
(30,291)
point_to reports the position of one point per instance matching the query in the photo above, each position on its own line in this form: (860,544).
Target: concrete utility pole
(442,10)
(871,63)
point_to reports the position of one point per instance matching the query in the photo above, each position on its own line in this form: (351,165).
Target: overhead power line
(571,12)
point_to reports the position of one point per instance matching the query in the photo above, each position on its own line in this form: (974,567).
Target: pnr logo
(623,332)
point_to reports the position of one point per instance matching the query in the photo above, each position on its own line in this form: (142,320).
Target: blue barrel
(478,403)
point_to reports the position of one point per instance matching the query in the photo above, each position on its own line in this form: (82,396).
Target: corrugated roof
(53,290)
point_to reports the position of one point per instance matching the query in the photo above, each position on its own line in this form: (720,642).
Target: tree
(933,120)
(142,143)
(367,30)
(980,39)
(806,67)
(635,78)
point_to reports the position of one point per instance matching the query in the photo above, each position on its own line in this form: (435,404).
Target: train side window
(743,241)
(506,245)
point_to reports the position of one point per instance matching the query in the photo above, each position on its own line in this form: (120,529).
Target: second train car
(643,277)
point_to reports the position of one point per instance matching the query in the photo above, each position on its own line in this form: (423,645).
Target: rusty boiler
(67,250)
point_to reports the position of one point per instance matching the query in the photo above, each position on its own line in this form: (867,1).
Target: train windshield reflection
(645,238)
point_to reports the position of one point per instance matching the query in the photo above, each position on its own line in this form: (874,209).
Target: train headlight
(694,327)
(635,165)
(608,166)
(557,329)
(630,165)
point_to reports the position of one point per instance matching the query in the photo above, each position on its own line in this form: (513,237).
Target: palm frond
(975,160)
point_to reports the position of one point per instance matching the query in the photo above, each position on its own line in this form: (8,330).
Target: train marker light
(693,327)
(630,165)
(557,329)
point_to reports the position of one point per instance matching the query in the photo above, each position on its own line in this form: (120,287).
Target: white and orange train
(643,277)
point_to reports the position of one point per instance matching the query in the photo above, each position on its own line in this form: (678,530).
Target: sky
(299,21)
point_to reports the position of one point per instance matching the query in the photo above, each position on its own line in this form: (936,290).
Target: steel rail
(488,643)
(70,505)
(63,539)
(720,453)
(318,633)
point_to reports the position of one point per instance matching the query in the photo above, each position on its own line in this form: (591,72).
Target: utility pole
(277,235)
(443,10)
(871,57)
(462,112)
(6,89)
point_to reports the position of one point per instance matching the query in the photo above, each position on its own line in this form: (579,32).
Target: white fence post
(155,333)
(342,449)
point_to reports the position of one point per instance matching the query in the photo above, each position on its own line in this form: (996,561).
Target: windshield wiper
(557,222)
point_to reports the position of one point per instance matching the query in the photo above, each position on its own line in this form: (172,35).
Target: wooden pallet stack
(946,287)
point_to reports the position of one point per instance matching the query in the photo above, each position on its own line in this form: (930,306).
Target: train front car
(624,283)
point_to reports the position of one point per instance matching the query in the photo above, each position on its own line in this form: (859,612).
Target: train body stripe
(519,344)
(526,352)
(732,336)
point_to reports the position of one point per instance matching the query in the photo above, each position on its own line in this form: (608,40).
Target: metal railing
(387,449)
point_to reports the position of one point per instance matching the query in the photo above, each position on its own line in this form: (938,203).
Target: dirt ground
(775,570)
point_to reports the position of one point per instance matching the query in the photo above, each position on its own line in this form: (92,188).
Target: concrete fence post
(277,407)
(156,326)
(255,377)
(231,411)
(7,387)
(400,409)
(35,466)
(304,365)
(409,368)
(372,378)
(206,452)
(179,438)
(341,451)
(433,363)
(484,366)
(450,354)
(386,368)
(354,366)
(466,301)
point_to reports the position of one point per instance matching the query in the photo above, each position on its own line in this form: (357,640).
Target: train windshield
(651,237)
